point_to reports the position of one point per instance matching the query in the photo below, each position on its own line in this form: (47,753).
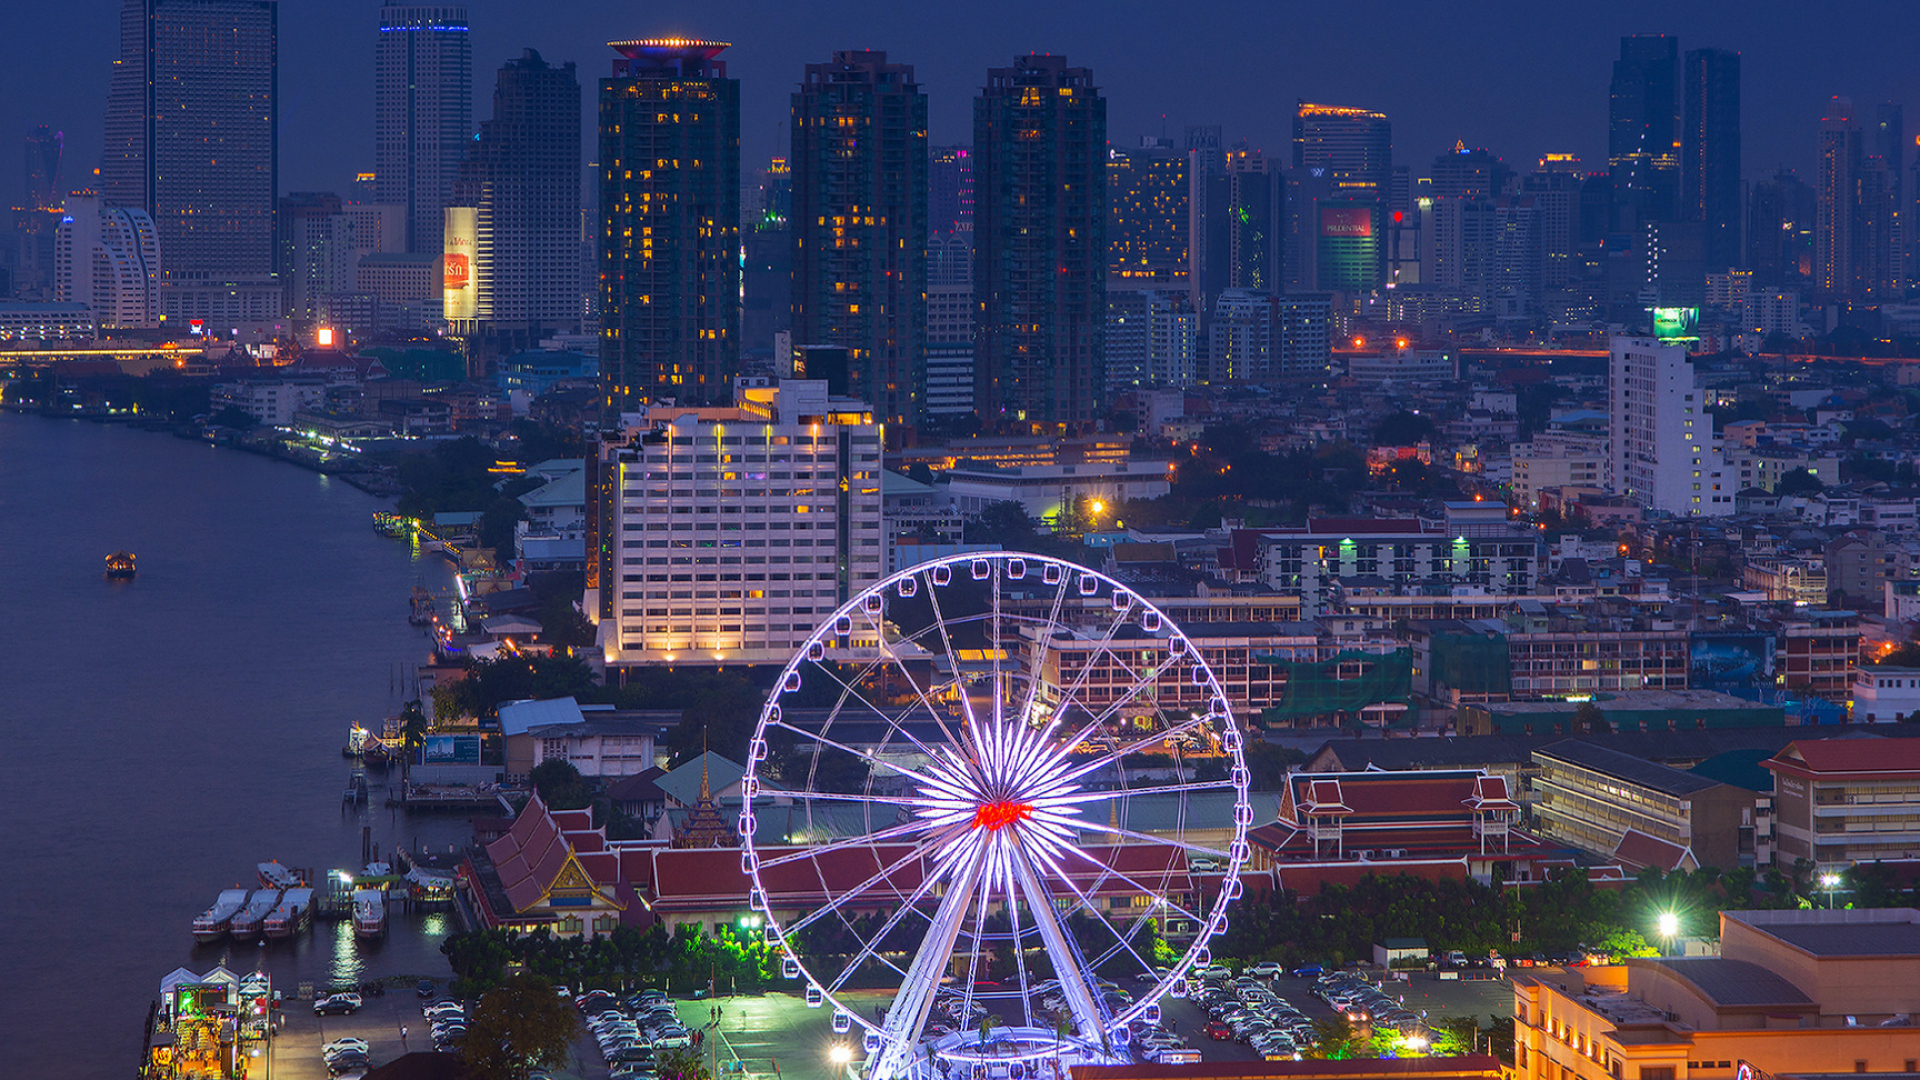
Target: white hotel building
(738,530)
(1664,452)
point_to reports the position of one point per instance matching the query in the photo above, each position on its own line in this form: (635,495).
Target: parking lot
(776,1037)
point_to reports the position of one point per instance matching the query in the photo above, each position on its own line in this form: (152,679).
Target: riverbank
(200,708)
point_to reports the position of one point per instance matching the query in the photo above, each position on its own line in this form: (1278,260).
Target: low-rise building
(1639,813)
(271,400)
(1838,802)
(1792,994)
(1047,490)
(1793,581)
(1885,693)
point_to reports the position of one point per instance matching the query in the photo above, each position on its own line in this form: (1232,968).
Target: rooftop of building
(1633,701)
(1626,767)
(1352,1069)
(1728,983)
(1847,757)
(1679,745)
(1830,934)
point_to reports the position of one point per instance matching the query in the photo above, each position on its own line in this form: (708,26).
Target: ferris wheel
(1005,773)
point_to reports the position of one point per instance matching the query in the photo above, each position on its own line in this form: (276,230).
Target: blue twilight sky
(1518,78)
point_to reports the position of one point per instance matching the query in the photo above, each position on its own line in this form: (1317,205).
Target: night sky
(1517,78)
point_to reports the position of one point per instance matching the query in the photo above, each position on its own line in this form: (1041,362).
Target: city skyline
(1538,84)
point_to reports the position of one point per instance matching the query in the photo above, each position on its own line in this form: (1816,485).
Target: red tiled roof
(1637,850)
(1287,844)
(1394,795)
(1490,793)
(1849,756)
(1307,878)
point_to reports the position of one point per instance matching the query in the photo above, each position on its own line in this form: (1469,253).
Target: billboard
(452,750)
(1730,662)
(458,294)
(1674,324)
(1354,221)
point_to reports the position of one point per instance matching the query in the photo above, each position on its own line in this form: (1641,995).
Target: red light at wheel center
(995,816)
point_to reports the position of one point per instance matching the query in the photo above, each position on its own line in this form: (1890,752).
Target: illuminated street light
(1668,925)
(1829,881)
(840,1054)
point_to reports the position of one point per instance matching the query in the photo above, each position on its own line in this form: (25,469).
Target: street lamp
(840,1054)
(1667,925)
(1829,881)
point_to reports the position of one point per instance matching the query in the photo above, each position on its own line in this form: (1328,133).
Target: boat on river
(275,876)
(369,913)
(120,565)
(291,915)
(213,923)
(420,606)
(247,924)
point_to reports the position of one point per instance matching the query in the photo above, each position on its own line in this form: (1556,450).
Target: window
(1662,1072)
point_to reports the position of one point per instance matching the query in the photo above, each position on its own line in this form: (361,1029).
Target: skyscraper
(43,168)
(318,250)
(522,177)
(422,112)
(1235,239)
(1643,128)
(1710,154)
(859,222)
(1346,157)
(669,225)
(192,132)
(1147,218)
(1461,173)
(1781,212)
(950,189)
(109,260)
(1040,250)
(1835,254)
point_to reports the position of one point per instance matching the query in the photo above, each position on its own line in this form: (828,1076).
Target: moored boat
(246,925)
(291,915)
(120,564)
(275,876)
(214,922)
(369,913)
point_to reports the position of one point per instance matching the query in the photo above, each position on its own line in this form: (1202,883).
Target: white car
(341,1046)
(1266,970)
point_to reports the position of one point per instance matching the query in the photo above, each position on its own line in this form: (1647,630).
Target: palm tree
(987,1023)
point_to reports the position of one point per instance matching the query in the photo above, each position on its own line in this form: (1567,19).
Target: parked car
(1218,1030)
(336,1005)
(1309,971)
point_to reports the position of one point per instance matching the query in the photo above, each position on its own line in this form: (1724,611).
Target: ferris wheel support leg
(908,1016)
(1066,962)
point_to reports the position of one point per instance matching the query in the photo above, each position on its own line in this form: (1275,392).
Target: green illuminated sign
(1674,324)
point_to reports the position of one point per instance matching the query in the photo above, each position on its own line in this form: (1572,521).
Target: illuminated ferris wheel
(1004,772)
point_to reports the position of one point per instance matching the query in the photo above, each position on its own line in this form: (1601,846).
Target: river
(164,735)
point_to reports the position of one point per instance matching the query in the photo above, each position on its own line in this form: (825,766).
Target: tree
(235,418)
(1588,719)
(518,1027)
(1402,429)
(1005,523)
(1799,482)
(682,1063)
(560,785)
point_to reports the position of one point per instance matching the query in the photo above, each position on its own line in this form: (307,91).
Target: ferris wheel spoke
(984,886)
(1148,838)
(1113,871)
(871,948)
(1119,752)
(908,1016)
(861,754)
(1070,693)
(892,722)
(815,851)
(1037,656)
(835,903)
(1162,789)
(920,692)
(1086,901)
(1019,948)
(1068,966)
(1106,713)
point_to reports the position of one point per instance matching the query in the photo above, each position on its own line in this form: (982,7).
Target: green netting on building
(1315,690)
(1472,663)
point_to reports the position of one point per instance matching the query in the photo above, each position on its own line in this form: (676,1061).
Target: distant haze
(1517,78)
